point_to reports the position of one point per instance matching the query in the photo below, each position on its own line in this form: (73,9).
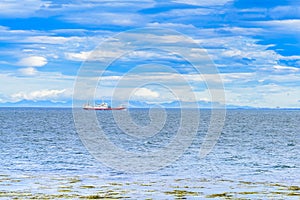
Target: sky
(150,51)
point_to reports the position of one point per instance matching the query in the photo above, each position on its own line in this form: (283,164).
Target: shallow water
(257,156)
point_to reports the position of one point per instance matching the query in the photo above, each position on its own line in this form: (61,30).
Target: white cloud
(97,55)
(231,53)
(283,25)
(241,31)
(121,13)
(247,48)
(52,95)
(117,52)
(31,42)
(290,57)
(238,92)
(291,11)
(203,3)
(292,79)
(171,25)
(240,77)
(29,71)
(271,95)
(133,44)
(33,61)
(281,68)
(103,5)
(37,87)
(106,18)
(146,93)
(16,8)
(77,56)
(243,52)
(51,39)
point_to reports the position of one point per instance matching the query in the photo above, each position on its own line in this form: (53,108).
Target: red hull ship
(102,106)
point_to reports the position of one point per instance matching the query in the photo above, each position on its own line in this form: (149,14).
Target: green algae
(179,179)
(293,187)
(75,187)
(5,179)
(44,187)
(93,176)
(277,185)
(64,190)
(185,187)
(74,180)
(87,186)
(246,183)
(116,184)
(22,195)
(103,196)
(105,186)
(146,184)
(5,184)
(15,194)
(55,196)
(15,181)
(248,192)
(293,194)
(150,191)
(65,186)
(112,192)
(181,193)
(279,193)
(93,197)
(58,178)
(224,194)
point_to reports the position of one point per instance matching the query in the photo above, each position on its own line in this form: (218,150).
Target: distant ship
(102,106)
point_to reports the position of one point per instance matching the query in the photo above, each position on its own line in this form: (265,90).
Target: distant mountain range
(27,103)
(131,104)
(177,104)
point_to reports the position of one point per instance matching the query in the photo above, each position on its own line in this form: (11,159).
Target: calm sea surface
(256,157)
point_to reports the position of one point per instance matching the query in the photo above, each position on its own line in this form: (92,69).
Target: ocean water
(256,157)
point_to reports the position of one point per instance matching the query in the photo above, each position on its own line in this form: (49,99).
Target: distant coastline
(205,108)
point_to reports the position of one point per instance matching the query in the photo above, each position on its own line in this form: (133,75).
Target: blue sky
(253,43)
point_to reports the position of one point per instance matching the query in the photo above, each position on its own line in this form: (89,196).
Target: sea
(44,155)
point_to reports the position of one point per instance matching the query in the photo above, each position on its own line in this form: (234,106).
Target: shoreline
(95,187)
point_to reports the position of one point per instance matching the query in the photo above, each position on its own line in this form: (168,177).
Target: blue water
(257,156)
